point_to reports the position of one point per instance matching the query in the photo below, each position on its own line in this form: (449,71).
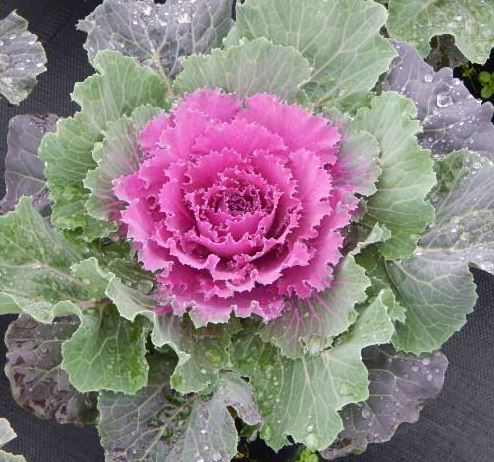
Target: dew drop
(428,78)
(366,413)
(443,99)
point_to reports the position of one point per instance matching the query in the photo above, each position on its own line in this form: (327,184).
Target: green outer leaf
(117,155)
(22,58)
(202,353)
(407,177)
(339,38)
(37,383)
(157,424)
(119,86)
(302,397)
(308,326)
(34,267)
(252,67)
(107,352)
(470,21)
(436,286)
(6,435)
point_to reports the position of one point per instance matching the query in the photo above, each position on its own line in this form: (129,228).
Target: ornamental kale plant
(253,227)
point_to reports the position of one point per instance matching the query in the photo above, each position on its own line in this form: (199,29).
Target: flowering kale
(272,220)
(239,204)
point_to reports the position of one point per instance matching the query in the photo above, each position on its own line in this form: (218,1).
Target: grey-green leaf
(119,86)
(158,424)
(22,58)
(417,21)
(436,286)
(255,66)
(158,35)
(302,397)
(23,168)
(399,384)
(202,352)
(117,155)
(339,38)
(35,267)
(107,352)
(309,326)
(407,173)
(7,435)
(33,368)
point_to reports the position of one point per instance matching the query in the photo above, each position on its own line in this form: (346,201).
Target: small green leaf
(252,67)
(163,425)
(400,201)
(485,77)
(107,352)
(486,92)
(339,38)
(324,383)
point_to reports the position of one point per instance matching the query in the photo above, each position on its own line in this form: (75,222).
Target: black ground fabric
(456,427)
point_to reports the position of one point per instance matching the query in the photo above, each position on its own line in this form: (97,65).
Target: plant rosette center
(238,204)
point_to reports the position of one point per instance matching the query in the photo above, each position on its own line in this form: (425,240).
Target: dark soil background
(456,427)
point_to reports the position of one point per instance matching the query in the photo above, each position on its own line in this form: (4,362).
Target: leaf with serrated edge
(117,155)
(35,267)
(119,86)
(159,424)
(22,58)
(7,435)
(157,35)
(399,384)
(436,286)
(23,168)
(469,21)
(202,352)
(107,352)
(452,118)
(308,326)
(252,67)
(407,177)
(33,367)
(324,383)
(339,38)
(36,279)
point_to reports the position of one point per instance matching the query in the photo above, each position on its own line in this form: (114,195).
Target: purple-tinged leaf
(452,118)
(23,168)
(157,35)
(38,383)
(399,386)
